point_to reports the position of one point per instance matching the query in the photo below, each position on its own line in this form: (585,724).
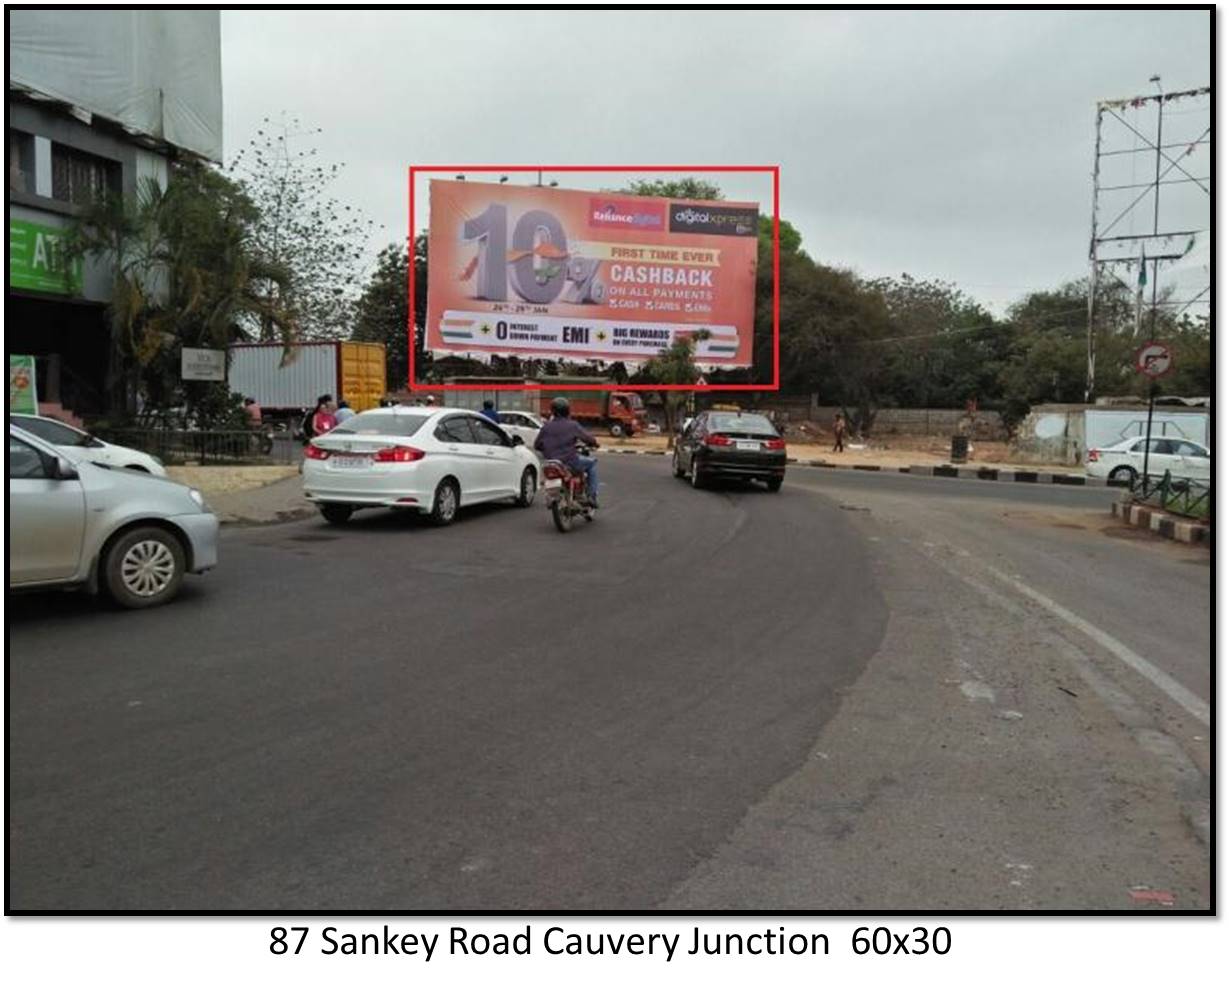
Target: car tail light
(314,453)
(718,440)
(1094,455)
(398,455)
(776,443)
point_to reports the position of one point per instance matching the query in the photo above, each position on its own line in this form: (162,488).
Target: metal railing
(208,446)
(1181,496)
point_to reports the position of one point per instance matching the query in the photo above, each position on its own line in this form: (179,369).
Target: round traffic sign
(1154,359)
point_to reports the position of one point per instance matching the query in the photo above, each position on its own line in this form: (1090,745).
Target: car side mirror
(62,469)
(517,440)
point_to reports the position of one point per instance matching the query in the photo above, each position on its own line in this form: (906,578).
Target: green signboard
(36,260)
(23,392)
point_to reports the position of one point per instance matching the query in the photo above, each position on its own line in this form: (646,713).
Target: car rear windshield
(744,423)
(384,424)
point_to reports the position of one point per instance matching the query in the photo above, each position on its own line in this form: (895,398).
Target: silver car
(81,524)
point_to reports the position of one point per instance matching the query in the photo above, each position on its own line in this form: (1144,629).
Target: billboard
(576,275)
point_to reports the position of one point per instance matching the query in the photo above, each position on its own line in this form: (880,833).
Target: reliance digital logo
(626,213)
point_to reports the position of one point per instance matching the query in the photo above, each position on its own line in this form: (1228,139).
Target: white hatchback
(79,446)
(1124,461)
(426,460)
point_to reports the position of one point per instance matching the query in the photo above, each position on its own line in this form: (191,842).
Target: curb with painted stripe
(943,471)
(1169,526)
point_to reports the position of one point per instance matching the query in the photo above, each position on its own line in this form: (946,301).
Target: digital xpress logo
(626,213)
(734,221)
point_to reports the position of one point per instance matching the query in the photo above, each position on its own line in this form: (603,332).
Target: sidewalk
(280,501)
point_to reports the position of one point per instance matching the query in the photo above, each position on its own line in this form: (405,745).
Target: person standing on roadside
(321,419)
(344,412)
(489,411)
(254,413)
(838,431)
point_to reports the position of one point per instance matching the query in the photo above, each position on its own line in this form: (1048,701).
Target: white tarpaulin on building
(156,72)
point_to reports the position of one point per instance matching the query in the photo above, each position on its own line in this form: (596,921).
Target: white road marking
(977,691)
(1179,694)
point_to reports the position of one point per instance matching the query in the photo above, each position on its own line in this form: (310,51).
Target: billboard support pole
(1108,248)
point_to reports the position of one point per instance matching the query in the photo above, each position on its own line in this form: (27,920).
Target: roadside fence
(1181,496)
(209,446)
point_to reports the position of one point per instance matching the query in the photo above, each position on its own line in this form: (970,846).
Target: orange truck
(622,413)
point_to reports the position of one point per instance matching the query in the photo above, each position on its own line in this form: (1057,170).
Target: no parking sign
(1154,359)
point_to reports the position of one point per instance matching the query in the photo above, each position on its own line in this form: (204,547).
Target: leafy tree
(382,312)
(946,349)
(689,188)
(186,272)
(675,365)
(832,326)
(302,229)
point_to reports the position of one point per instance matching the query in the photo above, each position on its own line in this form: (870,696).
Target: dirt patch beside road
(214,481)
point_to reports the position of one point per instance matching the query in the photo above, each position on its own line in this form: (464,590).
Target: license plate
(748,445)
(351,462)
(552,483)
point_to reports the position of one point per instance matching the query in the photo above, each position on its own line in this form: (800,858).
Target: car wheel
(144,567)
(678,465)
(529,488)
(336,512)
(616,429)
(1123,474)
(446,502)
(697,478)
(774,484)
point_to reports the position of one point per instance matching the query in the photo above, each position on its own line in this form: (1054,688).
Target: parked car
(79,446)
(417,458)
(521,424)
(1124,461)
(82,524)
(730,445)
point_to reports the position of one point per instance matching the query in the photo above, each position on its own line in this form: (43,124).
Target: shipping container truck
(284,384)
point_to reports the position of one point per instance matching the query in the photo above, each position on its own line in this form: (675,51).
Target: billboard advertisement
(537,272)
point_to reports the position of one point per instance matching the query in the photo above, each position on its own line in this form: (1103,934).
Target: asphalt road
(718,699)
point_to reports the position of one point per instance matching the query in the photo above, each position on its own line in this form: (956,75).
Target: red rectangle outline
(605,386)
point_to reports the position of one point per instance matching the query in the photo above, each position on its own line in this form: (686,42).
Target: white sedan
(79,446)
(1124,461)
(522,424)
(427,460)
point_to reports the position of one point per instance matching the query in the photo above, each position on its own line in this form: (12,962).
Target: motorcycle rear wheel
(563,518)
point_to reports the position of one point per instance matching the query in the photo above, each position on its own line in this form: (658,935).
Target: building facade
(98,101)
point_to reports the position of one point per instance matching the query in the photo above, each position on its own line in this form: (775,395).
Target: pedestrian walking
(838,431)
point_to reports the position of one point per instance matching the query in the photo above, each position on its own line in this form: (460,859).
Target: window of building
(79,177)
(21,161)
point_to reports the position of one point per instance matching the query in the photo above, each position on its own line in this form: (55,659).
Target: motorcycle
(566,494)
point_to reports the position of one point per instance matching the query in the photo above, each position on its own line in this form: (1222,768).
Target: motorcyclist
(557,442)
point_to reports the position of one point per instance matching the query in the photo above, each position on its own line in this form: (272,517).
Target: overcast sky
(948,145)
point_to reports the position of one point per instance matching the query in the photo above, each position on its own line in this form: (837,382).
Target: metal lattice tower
(1175,139)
